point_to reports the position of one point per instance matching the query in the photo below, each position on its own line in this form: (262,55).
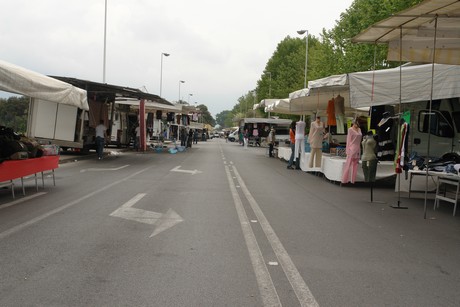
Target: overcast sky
(218,47)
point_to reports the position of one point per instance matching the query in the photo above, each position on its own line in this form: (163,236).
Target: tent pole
(398,206)
(430,110)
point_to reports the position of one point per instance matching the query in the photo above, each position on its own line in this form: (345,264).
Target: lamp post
(180,81)
(105,43)
(301,32)
(161,70)
(189,95)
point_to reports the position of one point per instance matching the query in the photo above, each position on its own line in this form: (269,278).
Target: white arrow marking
(161,221)
(103,169)
(194,172)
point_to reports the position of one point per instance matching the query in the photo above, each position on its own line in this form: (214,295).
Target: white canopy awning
(416,28)
(15,79)
(149,105)
(315,98)
(381,87)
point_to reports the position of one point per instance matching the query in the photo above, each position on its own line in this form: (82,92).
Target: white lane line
(301,289)
(20,227)
(21,200)
(267,289)
(103,169)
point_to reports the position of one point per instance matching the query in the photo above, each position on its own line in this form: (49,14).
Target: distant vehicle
(232,137)
(215,135)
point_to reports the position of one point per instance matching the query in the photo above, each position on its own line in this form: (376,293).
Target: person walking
(292,143)
(101,134)
(271,142)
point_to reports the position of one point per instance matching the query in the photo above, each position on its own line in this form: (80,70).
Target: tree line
(329,54)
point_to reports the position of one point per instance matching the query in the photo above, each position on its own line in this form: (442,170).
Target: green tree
(206,116)
(13,113)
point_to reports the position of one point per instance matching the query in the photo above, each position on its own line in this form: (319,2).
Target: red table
(14,169)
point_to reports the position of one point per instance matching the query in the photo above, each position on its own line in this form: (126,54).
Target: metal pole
(161,71)
(105,43)
(180,81)
(306,60)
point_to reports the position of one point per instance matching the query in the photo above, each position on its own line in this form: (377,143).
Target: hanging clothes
(386,149)
(331,121)
(401,149)
(339,109)
(353,151)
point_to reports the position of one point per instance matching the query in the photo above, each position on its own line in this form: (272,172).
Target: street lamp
(105,43)
(180,81)
(161,70)
(301,32)
(189,95)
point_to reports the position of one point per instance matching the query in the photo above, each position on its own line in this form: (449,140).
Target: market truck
(442,123)
(70,127)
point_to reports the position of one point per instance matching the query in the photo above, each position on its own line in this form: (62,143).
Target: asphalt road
(220,225)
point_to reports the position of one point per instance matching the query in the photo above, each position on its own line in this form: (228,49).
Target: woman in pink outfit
(353,151)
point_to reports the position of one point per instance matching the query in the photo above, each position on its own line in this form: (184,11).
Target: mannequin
(385,146)
(339,108)
(315,137)
(369,158)
(299,141)
(353,151)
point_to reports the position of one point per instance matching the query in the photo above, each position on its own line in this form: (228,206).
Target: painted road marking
(266,288)
(301,289)
(193,172)
(21,200)
(96,169)
(161,221)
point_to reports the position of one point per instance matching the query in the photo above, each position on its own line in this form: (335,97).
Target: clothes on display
(369,158)
(315,138)
(339,109)
(331,121)
(400,158)
(386,150)
(299,139)
(353,151)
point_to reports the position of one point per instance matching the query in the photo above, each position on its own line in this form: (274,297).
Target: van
(232,137)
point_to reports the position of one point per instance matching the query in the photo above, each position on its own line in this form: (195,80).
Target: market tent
(149,105)
(15,79)
(414,34)
(381,87)
(315,98)
(279,106)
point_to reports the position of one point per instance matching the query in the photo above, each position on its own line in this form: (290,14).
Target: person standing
(271,142)
(195,136)
(292,144)
(315,137)
(353,150)
(101,134)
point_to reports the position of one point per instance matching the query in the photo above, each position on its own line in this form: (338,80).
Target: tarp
(149,105)
(315,98)
(416,28)
(381,87)
(15,79)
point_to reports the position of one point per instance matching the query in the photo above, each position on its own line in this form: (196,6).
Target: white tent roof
(314,99)
(418,25)
(415,83)
(15,79)
(149,105)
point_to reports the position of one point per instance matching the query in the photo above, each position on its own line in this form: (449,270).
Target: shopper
(292,143)
(101,135)
(271,142)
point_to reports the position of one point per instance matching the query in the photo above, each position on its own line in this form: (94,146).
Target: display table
(332,166)
(15,169)
(447,180)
